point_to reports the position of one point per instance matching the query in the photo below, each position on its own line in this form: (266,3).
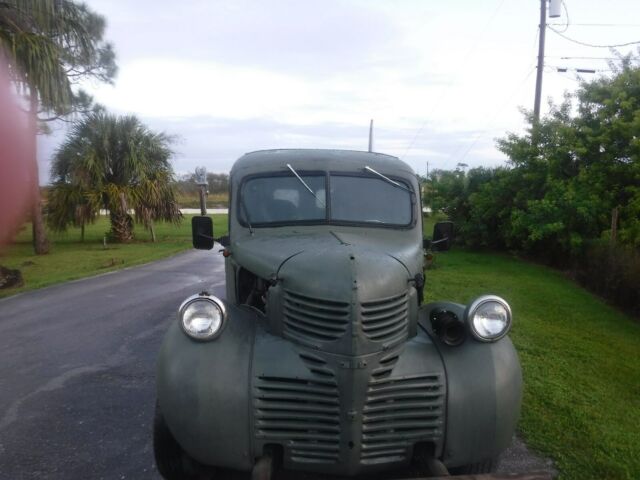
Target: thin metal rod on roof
(371,136)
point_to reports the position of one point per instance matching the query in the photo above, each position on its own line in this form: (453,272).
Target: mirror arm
(435,242)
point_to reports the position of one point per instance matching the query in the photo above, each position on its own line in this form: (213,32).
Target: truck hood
(265,255)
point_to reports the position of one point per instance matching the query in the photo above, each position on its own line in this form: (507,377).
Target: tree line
(216,183)
(570,192)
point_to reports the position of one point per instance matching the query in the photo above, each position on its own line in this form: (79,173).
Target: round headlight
(202,316)
(489,318)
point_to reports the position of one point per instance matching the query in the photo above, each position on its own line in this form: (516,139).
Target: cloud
(309,38)
(217,142)
(441,79)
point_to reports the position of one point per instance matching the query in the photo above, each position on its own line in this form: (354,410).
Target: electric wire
(567,22)
(446,88)
(530,70)
(615,25)
(493,117)
(592,45)
(580,58)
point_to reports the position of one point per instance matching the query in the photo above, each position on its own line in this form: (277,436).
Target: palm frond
(118,163)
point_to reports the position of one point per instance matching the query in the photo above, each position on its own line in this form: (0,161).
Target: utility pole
(543,29)
(554,13)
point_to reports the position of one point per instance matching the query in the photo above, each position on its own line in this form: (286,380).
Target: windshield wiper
(388,180)
(305,184)
(246,214)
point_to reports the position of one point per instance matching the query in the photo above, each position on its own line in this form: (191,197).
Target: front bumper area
(230,401)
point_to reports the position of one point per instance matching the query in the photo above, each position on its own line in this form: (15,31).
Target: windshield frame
(327,220)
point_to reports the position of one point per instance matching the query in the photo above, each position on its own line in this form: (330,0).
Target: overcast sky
(441,79)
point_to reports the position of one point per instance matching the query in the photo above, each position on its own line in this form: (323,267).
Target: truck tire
(488,465)
(171,461)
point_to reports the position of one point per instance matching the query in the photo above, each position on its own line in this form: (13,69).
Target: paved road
(77,372)
(77,368)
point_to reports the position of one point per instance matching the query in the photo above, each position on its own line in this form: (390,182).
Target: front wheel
(171,461)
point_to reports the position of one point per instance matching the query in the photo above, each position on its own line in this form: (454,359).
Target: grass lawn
(70,259)
(580,360)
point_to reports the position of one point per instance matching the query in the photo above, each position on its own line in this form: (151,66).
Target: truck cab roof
(318,159)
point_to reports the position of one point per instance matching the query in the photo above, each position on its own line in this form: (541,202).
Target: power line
(620,25)
(585,44)
(580,58)
(567,23)
(495,114)
(448,85)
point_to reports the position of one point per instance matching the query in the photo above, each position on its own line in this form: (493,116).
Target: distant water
(184,210)
(209,210)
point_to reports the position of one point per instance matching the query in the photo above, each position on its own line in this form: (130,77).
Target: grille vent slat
(398,412)
(385,319)
(303,413)
(313,319)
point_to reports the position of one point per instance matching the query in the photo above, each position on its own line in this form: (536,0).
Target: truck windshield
(352,199)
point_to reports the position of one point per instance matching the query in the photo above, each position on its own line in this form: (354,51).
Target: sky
(441,80)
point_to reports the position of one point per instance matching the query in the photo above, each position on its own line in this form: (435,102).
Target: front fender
(484,385)
(202,391)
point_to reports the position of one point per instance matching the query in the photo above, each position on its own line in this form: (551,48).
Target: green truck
(324,357)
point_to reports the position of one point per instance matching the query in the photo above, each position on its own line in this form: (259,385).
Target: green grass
(70,259)
(580,360)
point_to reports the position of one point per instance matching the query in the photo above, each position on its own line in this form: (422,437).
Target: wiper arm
(388,180)
(246,214)
(305,184)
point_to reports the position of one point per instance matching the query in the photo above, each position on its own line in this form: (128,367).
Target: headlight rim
(206,297)
(477,303)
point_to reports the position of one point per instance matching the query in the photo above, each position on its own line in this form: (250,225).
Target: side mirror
(426,243)
(202,232)
(442,236)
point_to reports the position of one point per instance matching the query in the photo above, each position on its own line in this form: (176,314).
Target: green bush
(565,176)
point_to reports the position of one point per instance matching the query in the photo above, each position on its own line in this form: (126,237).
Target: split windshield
(279,199)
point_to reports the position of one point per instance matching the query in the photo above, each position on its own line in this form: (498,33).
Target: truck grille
(385,319)
(307,318)
(399,412)
(302,414)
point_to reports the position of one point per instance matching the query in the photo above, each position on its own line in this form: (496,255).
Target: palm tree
(118,164)
(49,45)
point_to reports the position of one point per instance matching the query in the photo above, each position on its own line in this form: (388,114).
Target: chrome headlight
(202,316)
(489,318)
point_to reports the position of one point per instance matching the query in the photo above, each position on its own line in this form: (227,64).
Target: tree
(216,183)
(50,45)
(584,164)
(608,136)
(118,164)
